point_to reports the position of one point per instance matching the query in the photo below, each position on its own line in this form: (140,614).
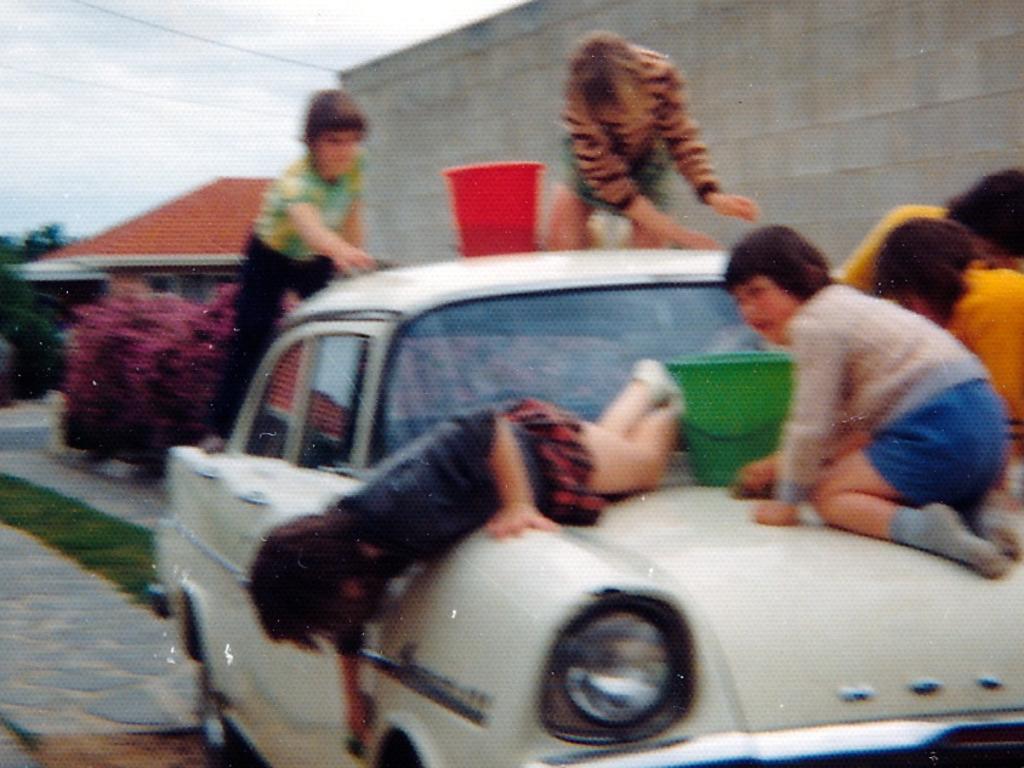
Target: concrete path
(12,755)
(111,487)
(76,656)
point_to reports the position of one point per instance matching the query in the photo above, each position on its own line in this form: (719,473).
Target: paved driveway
(75,655)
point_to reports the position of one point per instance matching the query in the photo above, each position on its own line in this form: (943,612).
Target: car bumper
(902,743)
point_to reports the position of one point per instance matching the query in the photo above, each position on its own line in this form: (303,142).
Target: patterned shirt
(302,184)
(605,152)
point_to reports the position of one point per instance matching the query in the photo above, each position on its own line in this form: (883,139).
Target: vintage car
(675,632)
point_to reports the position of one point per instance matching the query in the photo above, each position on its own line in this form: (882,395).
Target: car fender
(445,642)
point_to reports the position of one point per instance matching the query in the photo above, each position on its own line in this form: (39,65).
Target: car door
(299,425)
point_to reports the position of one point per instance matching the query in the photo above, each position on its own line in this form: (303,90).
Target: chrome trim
(804,744)
(208,472)
(469,704)
(255,498)
(854,693)
(211,554)
(926,686)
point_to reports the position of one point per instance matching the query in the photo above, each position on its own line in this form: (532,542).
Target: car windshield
(575,348)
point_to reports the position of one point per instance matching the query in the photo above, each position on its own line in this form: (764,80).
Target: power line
(135,92)
(208,40)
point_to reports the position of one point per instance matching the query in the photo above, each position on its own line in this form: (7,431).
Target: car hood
(814,625)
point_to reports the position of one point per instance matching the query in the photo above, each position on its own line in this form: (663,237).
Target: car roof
(412,289)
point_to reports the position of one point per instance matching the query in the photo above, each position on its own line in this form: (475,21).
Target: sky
(110,108)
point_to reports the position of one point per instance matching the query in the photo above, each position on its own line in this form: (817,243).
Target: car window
(337,371)
(276,412)
(575,348)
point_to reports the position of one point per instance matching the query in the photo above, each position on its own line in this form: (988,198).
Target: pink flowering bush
(142,370)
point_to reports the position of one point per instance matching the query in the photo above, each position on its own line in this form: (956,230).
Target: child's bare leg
(651,386)
(624,412)
(854,496)
(567,227)
(636,462)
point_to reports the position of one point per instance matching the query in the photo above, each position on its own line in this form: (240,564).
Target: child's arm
(733,205)
(517,511)
(306,219)
(646,215)
(352,228)
(681,136)
(357,715)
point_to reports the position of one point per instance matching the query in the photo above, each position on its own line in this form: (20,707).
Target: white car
(676,632)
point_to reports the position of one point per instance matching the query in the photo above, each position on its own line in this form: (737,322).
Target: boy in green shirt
(309,229)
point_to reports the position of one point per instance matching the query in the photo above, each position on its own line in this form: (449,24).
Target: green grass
(120,552)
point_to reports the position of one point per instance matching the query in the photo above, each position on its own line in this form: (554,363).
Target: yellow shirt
(859,270)
(989,320)
(302,184)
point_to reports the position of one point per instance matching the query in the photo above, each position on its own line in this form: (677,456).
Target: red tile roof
(214,219)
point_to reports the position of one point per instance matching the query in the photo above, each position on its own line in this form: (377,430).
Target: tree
(11,251)
(47,238)
(30,327)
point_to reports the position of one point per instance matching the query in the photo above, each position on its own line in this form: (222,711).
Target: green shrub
(30,328)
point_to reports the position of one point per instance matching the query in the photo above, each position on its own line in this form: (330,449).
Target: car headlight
(620,671)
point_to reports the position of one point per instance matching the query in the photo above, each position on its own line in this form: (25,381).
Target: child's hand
(734,205)
(776,513)
(756,479)
(351,259)
(514,519)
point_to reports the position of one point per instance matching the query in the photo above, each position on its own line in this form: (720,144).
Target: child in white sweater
(894,432)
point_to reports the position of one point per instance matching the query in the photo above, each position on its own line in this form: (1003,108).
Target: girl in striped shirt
(627,122)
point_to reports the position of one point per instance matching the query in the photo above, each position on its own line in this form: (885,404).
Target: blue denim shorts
(950,450)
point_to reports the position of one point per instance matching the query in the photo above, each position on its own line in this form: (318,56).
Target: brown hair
(784,257)
(600,65)
(994,209)
(925,258)
(297,578)
(333,110)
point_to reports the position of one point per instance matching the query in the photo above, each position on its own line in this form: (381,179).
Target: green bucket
(736,403)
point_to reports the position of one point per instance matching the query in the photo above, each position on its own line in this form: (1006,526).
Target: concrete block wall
(827,112)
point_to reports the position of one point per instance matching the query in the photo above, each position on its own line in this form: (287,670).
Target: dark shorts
(650,173)
(951,450)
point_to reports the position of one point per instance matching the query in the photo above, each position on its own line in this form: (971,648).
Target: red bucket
(495,206)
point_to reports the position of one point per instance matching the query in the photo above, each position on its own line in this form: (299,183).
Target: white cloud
(105,118)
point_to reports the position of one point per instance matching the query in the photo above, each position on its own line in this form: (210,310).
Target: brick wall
(828,112)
